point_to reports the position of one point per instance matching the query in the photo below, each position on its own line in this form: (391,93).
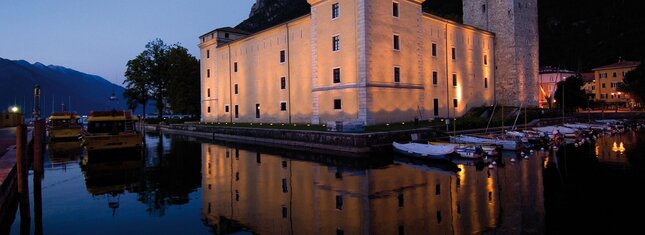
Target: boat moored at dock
(114,129)
(64,126)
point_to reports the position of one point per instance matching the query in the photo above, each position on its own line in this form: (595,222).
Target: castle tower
(515,24)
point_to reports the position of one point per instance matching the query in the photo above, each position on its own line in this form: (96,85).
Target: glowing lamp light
(615,147)
(14,109)
(621,148)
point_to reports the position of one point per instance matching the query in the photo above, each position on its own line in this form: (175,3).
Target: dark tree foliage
(167,74)
(634,83)
(574,96)
(183,83)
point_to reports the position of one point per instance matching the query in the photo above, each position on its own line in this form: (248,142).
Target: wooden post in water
(39,140)
(23,184)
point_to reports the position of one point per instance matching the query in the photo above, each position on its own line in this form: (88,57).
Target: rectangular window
(284,212)
(454,79)
(454,54)
(226,108)
(283,56)
(209,109)
(235,67)
(283,106)
(208,73)
(335,43)
(236,91)
(336,75)
(485,60)
(455,102)
(237,111)
(257,110)
(395,9)
(283,83)
(485,82)
(435,78)
(208,54)
(284,186)
(339,202)
(436,107)
(396,42)
(484,8)
(603,85)
(208,91)
(434,49)
(614,75)
(397,74)
(338,104)
(340,231)
(335,11)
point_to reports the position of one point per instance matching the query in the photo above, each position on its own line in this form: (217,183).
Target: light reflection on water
(182,186)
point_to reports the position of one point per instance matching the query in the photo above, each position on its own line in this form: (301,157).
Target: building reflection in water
(612,150)
(269,194)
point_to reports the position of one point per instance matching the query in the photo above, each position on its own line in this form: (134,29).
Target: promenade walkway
(7,138)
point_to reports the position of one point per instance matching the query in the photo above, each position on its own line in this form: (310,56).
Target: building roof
(551,69)
(588,77)
(227,29)
(620,64)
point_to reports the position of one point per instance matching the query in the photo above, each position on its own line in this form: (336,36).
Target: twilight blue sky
(99,37)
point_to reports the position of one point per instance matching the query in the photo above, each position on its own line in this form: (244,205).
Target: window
(338,104)
(454,54)
(208,54)
(454,79)
(436,107)
(434,49)
(339,231)
(335,11)
(401,199)
(335,43)
(283,56)
(395,9)
(237,111)
(614,75)
(396,42)
(401,230)
(336,75)
(208,91)
(435,78)
(226,108)
(208,73)
(235,67)
(284,212)
(339,202)
(397,74)
(455,102)
(235,87)
(226,35)
(284,186)
(257,110)
(485,82)
(484,8)
(437,189)
(603,85)
(283,83)
(209,109)
(283,106)
(485,60)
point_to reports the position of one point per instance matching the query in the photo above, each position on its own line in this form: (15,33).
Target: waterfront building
(376,61)
(608,79)
(548,80)
(589,85)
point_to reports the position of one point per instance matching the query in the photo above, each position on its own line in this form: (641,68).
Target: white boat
(506,144)
(424,150)
(470,150)
(551,129)
(579,126)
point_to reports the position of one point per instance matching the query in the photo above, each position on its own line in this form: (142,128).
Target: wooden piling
(39,141)
(22,168)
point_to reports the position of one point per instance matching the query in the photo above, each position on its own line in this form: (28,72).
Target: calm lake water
(181,185)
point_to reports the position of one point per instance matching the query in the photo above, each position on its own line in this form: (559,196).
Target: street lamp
(14,109)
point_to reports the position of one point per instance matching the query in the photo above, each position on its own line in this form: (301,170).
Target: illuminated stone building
(376,61)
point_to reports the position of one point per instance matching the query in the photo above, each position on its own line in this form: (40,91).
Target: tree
(634,84)
(157,68)
(183,84)
(574,96)
(137,88)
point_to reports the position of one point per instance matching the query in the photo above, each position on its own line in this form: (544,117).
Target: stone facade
(438,69)
(514,23)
